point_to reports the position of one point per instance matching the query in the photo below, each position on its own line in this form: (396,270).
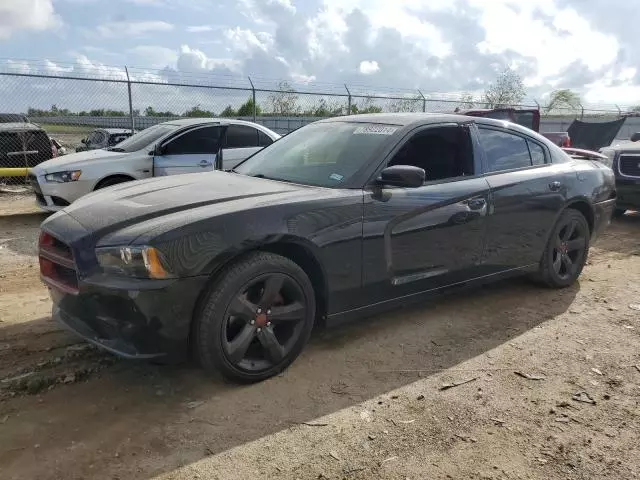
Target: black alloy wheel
(257,318)
(263,322)
(567,250)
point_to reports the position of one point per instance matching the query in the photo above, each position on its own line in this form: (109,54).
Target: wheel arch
(582,205)
(585,207)
(113,175)
(299,250)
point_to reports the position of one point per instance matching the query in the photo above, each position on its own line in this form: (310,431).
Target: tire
(109,181)
(566,251)
(240,303)
(618,212)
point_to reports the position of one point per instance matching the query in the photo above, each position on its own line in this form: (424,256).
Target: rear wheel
(566,252)
(257,318)
(107,182)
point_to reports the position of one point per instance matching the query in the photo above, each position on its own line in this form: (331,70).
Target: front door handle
(555,186)
(205,163)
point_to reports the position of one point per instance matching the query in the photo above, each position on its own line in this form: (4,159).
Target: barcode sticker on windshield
(375,130)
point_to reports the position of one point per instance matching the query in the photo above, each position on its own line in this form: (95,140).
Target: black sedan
(342,218)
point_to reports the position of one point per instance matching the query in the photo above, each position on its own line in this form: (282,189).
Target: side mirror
(406,176)
(156,151)
(635,137)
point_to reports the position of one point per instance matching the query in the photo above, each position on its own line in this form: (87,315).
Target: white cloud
(154,56)
(132,29)
(368,67)
(34,15)
(199,28)
(194,60)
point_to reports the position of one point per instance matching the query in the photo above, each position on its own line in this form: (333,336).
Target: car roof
(115,130)
(407,119)
(19,126)
(185,122)
(625,145)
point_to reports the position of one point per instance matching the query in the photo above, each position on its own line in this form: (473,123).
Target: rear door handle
(555,186)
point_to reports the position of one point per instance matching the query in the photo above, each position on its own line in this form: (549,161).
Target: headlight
(63,177)
(137,262)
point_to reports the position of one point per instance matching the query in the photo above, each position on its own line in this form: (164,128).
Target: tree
(229,112)
(284,101)
(508,90)
(466,101)
(563,99)
(367,105)
(150,112)
(407,104)
(246,109)
(197,112)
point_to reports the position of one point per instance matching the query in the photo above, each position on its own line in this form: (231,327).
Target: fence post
(581,111)
(253,96)
(619,111)
(424,102)
(349,101)
(130,100)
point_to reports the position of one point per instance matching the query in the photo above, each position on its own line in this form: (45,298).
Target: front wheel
(566,251)
(257,318)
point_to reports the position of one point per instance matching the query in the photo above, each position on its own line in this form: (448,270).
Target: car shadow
(140,420)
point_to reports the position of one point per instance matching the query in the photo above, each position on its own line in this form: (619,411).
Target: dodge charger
(341,218)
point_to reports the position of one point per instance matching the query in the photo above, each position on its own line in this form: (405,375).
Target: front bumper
(628,193)
(132,319)
(52,197)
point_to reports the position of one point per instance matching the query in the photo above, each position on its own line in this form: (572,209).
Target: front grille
(630,165)
(57,266)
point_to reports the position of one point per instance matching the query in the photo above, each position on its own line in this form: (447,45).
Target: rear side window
(263,139)
(199,140)
(504,151)
(537,153)
(241,136)
(117,138)
(98,138)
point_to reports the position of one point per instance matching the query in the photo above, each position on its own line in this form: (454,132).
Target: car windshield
(326,154)
(143,139)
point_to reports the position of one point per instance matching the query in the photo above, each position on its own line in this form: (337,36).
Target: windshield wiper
(116,149)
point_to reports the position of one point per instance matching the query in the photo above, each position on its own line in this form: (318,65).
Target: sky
(589,46)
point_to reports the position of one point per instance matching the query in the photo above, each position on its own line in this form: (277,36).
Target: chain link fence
(71,108)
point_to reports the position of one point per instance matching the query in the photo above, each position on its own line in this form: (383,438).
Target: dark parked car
(341,218)
(13,118)
(24,145)
(624,159)
(104,138)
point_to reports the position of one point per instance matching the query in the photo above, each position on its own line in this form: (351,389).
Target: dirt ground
(363,401)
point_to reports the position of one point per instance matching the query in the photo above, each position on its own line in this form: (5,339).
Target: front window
(143,139)
(326,154)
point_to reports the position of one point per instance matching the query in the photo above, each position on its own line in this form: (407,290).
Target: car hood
(75,160)
(120,206)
